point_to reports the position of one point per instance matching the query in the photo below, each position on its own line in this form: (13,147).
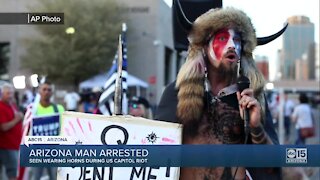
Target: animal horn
(265,40)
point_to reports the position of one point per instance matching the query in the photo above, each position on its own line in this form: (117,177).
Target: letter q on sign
(119,142)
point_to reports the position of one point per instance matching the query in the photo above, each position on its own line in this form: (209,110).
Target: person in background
(17,99)
(46,107)
(89,104)
(206,99)
(24,103)
(288,109)
(72,99)
(97,91)
(302,116)
(10,132)
(273,105)
(140,107)
(29,95)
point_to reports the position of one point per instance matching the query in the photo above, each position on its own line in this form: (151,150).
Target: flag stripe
(106,101)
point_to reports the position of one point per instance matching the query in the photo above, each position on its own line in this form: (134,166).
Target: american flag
(106,100)
(27,120)
(23,172)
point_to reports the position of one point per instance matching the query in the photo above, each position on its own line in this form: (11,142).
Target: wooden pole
(118,90)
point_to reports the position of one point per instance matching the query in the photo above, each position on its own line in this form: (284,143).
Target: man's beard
(227,71)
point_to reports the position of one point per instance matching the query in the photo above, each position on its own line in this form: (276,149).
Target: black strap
(55,108)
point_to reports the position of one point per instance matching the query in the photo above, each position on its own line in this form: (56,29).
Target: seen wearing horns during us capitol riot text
(218,95)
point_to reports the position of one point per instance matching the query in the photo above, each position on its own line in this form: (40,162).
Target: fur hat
(206,25)
(190,80)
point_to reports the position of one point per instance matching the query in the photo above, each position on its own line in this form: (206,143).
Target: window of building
(4,60)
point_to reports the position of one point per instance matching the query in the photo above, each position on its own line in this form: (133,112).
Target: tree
(71,58)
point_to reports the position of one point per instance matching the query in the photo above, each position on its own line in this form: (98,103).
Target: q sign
(90,129)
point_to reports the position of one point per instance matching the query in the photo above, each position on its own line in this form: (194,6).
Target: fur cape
(190,80)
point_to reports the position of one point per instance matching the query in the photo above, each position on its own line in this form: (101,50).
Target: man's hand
(247,100)
(18,116)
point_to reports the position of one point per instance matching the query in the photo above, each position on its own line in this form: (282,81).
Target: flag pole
(118,88)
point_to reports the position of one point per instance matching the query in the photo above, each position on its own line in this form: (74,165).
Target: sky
(268,17)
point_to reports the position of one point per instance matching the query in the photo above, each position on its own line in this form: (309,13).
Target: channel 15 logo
(296,155)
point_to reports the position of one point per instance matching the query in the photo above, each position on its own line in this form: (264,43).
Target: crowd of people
(12,119)
(15,121)
(296,113)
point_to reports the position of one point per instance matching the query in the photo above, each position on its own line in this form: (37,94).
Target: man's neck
(5,101)
(45,103)
(218,81)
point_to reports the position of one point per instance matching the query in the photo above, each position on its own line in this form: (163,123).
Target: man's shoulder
(291,102)
(45,110)
(75,93)
(168,104)
(66,97)
(1,104)
(300,106)
(170,90)
(3,113)
(60,108)
(76,96)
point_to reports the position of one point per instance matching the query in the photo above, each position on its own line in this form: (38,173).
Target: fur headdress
(190,80)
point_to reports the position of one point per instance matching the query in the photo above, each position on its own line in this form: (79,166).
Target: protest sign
(88,129)
(48,125)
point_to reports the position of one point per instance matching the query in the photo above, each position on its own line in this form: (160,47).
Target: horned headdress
(191,75)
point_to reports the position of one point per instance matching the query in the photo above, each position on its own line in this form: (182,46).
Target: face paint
(222,42)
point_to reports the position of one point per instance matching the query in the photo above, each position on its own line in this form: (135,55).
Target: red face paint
(220,41)
(223,41)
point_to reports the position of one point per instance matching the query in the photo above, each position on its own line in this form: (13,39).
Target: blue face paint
(223,41)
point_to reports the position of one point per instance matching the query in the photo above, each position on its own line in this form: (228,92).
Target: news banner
(56,151)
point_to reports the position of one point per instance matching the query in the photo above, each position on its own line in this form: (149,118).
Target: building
(151,56)
(262,64)
(302,69)
(297,40)
(11,36)
(279,64)
(311,57)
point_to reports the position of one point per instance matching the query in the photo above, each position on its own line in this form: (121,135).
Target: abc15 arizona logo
(296,155)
